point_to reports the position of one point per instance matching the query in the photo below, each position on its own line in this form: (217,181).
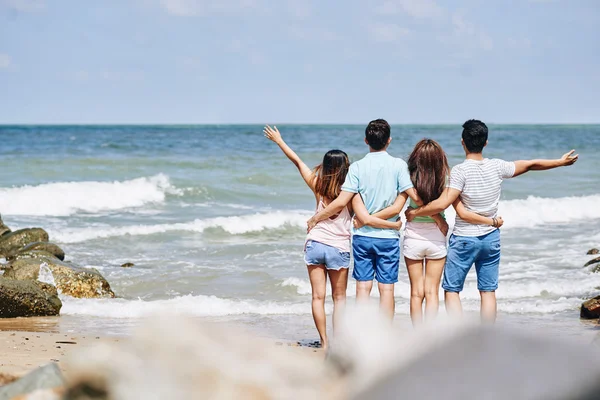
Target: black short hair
(377,134)
(474,135)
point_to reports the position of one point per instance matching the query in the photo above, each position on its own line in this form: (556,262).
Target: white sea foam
(199,305)
(68,198)
(233,225)
(537,211)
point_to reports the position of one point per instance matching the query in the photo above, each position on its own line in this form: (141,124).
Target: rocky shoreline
(35,273)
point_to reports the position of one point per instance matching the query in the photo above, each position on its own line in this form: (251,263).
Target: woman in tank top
(424,245)
(327,246)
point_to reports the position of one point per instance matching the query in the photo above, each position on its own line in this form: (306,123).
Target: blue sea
(213,217)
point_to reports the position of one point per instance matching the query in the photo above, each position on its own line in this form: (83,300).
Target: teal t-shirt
(423,219)
(378,178)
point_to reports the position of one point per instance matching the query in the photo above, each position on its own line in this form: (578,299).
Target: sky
(299,61)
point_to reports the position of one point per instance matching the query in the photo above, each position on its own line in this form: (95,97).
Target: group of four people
(371,193)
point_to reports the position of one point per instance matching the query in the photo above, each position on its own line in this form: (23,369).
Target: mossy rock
(36,247)
(70,280)
(591,262)
(27,299)
(591,309)
(16,240)
(31,254)
(3,228)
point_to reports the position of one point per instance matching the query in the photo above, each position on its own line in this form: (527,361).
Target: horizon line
(3,124)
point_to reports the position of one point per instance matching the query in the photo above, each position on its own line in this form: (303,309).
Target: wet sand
(28,343)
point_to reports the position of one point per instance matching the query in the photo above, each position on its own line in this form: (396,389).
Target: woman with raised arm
(327,246)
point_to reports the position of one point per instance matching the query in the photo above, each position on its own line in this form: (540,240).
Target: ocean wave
(236,225)
(536,211)
(196,305)
(527,213)
(68,198)
(517,296)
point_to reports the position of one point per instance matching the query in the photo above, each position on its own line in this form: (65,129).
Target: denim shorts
(376,258)
(463,252)
(317,253)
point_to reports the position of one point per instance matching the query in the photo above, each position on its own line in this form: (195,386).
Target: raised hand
(569,158)
(272,133)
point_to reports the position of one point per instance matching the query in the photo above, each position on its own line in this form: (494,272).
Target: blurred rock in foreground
(43,383)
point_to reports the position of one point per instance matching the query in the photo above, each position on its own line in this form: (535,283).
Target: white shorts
(423,240)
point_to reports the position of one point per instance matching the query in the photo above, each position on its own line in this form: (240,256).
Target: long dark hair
(428,167)
(331,173)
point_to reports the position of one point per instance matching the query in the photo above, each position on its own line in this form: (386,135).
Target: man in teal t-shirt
(378,178)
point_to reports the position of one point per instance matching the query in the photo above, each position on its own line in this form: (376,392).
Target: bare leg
(488,307)
(363,291)
(387,303)
(433,275)
(417,289)
(318,282)
(339,283)
(453,306)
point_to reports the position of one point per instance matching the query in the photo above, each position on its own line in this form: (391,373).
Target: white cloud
(414,8)
(190,8)
(383,32)
(26,6)
(5,61)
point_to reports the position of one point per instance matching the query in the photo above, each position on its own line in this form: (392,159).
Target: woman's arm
(360,212)
(393,210)
(474,218)
(306,173)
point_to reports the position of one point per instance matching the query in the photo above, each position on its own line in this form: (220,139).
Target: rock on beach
(16,240)
(70,279)
(591,309)
(27,299)
(46,247)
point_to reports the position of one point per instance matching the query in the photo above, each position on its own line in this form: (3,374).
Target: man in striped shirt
(477,182)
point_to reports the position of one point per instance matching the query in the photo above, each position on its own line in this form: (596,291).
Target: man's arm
(393,210)
(448,197)
(332,209)
(524,166)
(439,220)
(474,218)
(362,214)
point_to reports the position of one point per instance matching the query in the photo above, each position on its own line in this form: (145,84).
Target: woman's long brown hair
(331,174)
(428,167)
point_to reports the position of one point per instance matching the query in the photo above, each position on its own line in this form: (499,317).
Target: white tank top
(334,231)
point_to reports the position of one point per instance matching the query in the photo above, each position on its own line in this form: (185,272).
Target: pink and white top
(334,231)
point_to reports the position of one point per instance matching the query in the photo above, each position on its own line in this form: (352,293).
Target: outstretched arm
(524,166)
(365,218)
(332,208)
(474,218)
(306,173)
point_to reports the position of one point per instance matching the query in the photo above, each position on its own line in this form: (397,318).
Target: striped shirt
(480,185)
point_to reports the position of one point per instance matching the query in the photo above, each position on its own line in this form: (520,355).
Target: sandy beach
(28,344)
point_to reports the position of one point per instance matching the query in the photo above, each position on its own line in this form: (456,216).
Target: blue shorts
(317,253)
(376,258)
(463,252)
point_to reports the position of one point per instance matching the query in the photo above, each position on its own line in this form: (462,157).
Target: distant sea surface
(213,217)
